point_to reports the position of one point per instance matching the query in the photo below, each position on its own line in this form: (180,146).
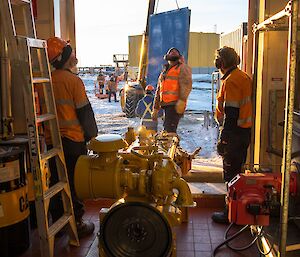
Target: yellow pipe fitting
(184,198)
(173,148)
(162,178)
(172,214)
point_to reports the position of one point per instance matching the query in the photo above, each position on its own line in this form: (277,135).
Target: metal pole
(288,124)
(144,47)
(215,80)
(212,92)
(254,89)
(6,122)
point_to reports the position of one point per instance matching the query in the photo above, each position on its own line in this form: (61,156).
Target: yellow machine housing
(146,178)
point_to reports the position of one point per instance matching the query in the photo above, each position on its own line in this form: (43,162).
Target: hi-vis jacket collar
(228,72)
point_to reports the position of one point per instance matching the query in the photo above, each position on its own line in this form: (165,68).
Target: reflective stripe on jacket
(183,83)
(169,89)
(70,95)
(144,109)
(235,91)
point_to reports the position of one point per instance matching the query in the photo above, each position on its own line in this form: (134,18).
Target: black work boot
(85,228)
(220,217)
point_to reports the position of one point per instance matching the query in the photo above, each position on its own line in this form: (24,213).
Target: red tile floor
(197,238)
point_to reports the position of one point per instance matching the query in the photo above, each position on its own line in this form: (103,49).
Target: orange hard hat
(149,88)
(55,47)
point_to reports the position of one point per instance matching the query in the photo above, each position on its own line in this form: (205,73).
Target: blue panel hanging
(167,29)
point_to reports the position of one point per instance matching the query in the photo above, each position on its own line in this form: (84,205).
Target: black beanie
(59,63)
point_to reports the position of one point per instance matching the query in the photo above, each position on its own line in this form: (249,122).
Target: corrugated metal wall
(202,47)
(236,39)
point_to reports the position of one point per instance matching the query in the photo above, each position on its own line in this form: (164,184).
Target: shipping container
(201,51)
(134,46)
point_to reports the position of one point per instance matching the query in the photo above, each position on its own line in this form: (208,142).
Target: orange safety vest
(236,91)
(69,94)
(169,87)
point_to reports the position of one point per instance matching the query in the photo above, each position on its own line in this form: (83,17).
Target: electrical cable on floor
(229,238)
(235,235)
(238,248)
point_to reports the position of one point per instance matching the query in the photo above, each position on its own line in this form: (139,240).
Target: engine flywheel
(135,229)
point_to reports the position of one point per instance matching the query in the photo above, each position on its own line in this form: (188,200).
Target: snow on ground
(192,129)
(200,97)
(201,78)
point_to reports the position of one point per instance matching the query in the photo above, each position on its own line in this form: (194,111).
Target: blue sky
(103,26)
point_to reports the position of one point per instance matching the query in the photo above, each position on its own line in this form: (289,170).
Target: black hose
(229,238)
(238,248)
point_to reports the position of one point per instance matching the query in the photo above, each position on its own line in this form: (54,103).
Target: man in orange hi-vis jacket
(234,115)
(76,122)
(173,89)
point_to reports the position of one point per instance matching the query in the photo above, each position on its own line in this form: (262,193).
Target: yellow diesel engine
(150,194)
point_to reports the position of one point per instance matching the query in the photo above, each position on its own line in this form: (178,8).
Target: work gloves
(154,114)
(180,106)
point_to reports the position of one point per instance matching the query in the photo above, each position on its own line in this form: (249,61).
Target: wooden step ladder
(29,56)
